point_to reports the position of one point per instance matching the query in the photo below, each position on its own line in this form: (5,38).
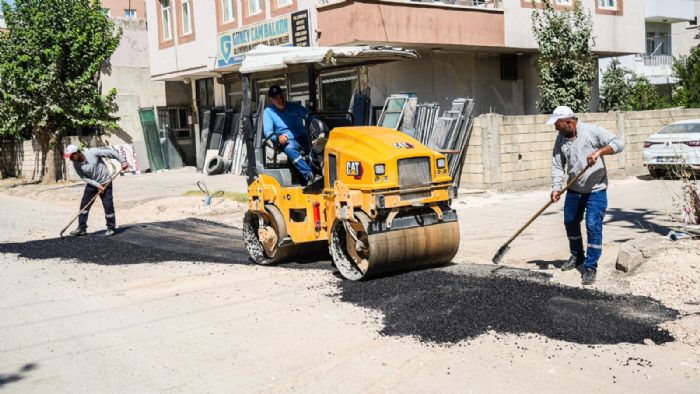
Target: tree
(50,63)
(616,90)
(687,70)
(645,96)
(566,65)
(623,90)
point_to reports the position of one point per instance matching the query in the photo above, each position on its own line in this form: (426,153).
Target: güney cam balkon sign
(288,30)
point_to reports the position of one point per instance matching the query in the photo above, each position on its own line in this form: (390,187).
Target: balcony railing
(657,60)
(492,4)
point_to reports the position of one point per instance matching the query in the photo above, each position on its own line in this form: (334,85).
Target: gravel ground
(171,304)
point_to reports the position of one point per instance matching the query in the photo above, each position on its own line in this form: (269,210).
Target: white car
(674,147)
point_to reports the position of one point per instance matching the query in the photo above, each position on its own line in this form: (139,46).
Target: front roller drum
(359,255)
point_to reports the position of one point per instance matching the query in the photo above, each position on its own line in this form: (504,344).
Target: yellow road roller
(384,206)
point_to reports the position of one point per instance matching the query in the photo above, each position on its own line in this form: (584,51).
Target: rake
(506,247)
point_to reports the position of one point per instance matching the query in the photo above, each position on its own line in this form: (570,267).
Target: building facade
(670,27)
(130,74)
(468,48)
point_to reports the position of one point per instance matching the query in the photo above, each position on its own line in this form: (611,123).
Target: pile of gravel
(445,308)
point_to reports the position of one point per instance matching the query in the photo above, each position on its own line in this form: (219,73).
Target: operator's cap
(274,91)
(561,112)
(70,149)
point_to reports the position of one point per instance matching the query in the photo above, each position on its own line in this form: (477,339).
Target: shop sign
(288,30)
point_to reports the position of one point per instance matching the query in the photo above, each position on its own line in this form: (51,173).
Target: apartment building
(479,48)
(130,73)
(125,9)
(670,27)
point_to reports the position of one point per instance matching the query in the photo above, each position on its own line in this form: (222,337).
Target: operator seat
(318,134)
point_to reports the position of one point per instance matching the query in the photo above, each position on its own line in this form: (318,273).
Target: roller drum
(391,251)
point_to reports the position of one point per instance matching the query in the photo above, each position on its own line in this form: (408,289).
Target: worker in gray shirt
(91,168)
(579,145)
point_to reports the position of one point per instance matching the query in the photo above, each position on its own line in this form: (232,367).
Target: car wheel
(655,173)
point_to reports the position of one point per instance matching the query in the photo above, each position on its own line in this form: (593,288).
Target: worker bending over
(91,168)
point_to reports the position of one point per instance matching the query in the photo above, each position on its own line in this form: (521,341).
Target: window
(186,17)
(283,3)
(509,67)
(165,10)
(563,2)
(337,90)
(228,8)
(254,7)
(130,13)
(658,43)
(608,4)
(174,120)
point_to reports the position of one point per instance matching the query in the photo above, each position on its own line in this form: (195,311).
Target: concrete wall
(511,152)
(442,76)
(622,33)
(130,74)
(24,159)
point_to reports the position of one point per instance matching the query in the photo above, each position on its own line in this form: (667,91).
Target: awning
(268,58)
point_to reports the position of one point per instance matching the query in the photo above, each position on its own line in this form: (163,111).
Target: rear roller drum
(262,234)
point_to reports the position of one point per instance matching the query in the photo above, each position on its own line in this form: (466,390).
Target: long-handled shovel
(89,204)
(506,247)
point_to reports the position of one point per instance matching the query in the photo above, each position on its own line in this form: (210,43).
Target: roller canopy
(266,58)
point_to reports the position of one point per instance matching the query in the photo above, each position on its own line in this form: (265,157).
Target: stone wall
(512,152)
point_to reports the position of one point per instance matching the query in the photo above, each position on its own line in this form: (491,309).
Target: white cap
(70,149)
(561,112)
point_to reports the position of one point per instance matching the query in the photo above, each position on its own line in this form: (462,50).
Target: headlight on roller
(441,163)
(379,169)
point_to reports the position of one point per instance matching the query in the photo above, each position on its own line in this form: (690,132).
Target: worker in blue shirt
(283,123)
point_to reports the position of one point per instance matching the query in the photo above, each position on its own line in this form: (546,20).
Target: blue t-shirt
(289,122)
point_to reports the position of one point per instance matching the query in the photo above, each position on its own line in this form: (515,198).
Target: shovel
(506,247)
(89,204)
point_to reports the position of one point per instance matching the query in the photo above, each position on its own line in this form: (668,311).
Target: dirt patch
(445,308)
(221,210)
(672,276)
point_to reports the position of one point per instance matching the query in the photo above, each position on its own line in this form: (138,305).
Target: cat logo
(354,169)
(403,145)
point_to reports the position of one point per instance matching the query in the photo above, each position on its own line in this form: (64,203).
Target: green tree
(616,89)
(687,70)
(566,65)
(50,63)
(645,96)
(623,90)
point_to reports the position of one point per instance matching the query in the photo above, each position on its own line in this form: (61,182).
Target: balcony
(669,11)
(453,23)
(657,68)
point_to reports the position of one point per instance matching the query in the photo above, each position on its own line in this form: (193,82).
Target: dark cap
(274,91)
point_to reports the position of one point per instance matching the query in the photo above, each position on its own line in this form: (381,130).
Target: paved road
(143,314)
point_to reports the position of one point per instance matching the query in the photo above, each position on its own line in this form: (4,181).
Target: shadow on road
(460,303)
(6,379)
(182,240)
(548,264)
(641,219)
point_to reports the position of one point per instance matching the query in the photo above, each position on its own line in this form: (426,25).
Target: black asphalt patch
(441,307)
(184,240)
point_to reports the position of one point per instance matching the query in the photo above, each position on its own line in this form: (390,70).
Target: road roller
(384,203)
